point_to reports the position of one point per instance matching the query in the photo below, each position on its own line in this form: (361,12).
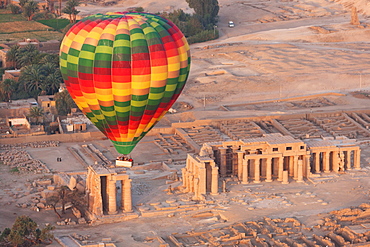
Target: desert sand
(277,49)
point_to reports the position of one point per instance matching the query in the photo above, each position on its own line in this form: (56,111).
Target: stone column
(191,183)
(184,178)
(257,171)
(112,196)
(306,166)
(291,166)
(335,161)
(341,161)
(356,159)
(188,181)
(281,168)
(295,167)
(126,195)
(326,162)
(285,177)
(122,194)
(300,171)
(348,160)
(196,189)
(268,170)
(245,171)
(240,164)
(202,180)
(275,172)
(317,162)
(222,161)
(214,184)
(234,160)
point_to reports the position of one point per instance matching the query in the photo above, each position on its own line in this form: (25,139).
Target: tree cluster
(35,114)
(64,196)
(71,10)
(25,232)
(40,74)
(64,103)
(207,10)
(200,26)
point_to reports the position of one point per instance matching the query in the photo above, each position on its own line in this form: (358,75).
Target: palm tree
(60,7)
(50,5)
(50,58)
(64,103)
(71,10)
(29,58)
(22,3)
(32,77)
(28,55)
(53,77)
(53,82)
(36,113)
(12,55)
(7,87)
(29,48)
(29,9)
(48,68)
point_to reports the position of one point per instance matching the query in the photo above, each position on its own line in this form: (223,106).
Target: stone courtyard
(158,194)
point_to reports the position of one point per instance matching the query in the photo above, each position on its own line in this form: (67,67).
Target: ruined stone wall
(75,137)
(14,112)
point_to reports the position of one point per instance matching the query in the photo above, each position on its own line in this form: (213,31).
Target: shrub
(15,9)
(203,36)
(14,170)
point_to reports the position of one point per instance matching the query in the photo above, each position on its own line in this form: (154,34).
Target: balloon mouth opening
(124,147)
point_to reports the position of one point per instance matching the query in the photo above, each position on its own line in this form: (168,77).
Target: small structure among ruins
(47,103)
(101,186)
(267,158)
(200,176)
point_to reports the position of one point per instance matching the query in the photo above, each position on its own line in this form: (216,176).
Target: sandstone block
(51,187)
(81,221)
(44,182)
(48,193)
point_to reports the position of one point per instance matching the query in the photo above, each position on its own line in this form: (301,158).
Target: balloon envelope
(124,71)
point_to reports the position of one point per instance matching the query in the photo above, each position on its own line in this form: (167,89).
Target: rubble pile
(21,161)
(37,198)
(42,144)
(345,227)
(71,222)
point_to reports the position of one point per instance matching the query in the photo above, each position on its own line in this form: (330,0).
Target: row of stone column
(341,160)
(295,170)
(126,199)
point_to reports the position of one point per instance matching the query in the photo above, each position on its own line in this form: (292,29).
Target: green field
(7,16)
(39,35)
(22,26)
(56,24)
(16,27)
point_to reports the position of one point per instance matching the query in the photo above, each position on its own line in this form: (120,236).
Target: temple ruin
(101,186)
(267,158)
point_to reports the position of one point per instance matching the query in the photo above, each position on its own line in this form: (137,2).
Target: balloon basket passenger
(124,161)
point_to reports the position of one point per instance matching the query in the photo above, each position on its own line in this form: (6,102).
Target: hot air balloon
(124,70)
